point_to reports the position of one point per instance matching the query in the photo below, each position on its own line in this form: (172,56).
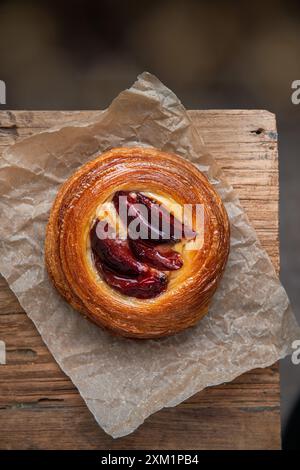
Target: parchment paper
(123,381)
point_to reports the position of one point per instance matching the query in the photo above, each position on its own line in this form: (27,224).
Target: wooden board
(39,406)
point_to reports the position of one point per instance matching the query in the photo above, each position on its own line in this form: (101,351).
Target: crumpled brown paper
(123,381)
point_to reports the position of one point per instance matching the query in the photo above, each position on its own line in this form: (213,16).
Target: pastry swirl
(193,273)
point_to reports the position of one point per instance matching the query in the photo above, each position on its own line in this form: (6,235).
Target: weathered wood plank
(41,403)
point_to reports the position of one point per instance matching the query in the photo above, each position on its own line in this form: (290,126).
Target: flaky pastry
(135,287)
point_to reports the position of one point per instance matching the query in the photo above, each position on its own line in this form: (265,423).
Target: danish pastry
(137,241)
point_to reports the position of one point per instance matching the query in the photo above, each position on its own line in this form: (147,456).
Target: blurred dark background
(212,54)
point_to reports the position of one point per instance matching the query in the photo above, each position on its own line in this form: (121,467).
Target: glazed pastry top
(179,297)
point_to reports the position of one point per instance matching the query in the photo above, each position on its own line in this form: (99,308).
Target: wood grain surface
(39,406)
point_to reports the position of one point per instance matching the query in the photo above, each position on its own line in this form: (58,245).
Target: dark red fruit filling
(143,286)
(160,257)
(134,266)
(115,253)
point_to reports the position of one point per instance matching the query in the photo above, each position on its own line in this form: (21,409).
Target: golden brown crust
(187,298)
